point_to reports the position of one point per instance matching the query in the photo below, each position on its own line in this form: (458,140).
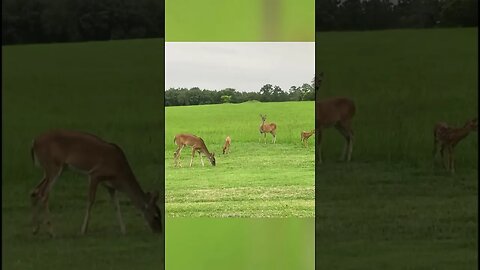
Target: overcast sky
(245,66)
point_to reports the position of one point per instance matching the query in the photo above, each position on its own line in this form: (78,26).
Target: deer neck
(205,152)
(135,193)
(463,132)
(458,134)
(262,125)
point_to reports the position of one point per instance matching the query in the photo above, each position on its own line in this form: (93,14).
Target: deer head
(472,124)
(264,117)
(211,157)
(152,213)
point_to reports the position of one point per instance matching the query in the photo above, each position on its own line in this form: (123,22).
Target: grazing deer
(304,135)
(268,128)
(335,112)
(103,162)
(197,144)
(448,138)
(226,146)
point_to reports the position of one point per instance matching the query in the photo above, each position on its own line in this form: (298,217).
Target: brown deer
(448,138)
(103,162)
(304,135)
(335,112)
(197,144)
(268,128)
(226,146)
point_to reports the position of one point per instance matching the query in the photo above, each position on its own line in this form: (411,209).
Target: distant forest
(335,15)
(268,93)
(45,21)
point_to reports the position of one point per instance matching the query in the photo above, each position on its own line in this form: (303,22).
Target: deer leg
(274,137)
(201,159)
(265,137)
(442,155)
(176,155)
(35,197)
(193,155)
(350,146)
(434,152)
(91,199)
(116,203)
(48,222)
(451,160)
(43,207)
(39,198)
(344,133)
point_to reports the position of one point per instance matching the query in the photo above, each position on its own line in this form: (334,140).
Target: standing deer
(268,128)
(448,138)
(226,146)
(304,135)
(103,162)
(197,144)
(337,112)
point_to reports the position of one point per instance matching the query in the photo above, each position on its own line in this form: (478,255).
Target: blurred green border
(240,243)
(239,20)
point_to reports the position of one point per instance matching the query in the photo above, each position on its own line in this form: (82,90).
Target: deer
(197,144)
(268,128)
(304,135)
(104,163)
(337,112)
(226,146)
(448,137)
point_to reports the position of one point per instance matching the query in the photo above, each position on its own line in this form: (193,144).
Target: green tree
(226,99)
(266,92)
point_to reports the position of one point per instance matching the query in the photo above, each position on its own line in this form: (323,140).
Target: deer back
(268,127)
(333,110)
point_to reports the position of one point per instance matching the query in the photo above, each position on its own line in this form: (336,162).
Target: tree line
(45,21)
(268,93)
(387,14)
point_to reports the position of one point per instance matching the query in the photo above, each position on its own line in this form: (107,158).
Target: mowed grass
(391,208)
(111,89)
(255,179)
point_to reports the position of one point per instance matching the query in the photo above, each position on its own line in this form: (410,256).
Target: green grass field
(294,21)
(112,89)
(255,179)
(390,208)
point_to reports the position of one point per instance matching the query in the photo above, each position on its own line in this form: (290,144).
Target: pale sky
(244,66)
